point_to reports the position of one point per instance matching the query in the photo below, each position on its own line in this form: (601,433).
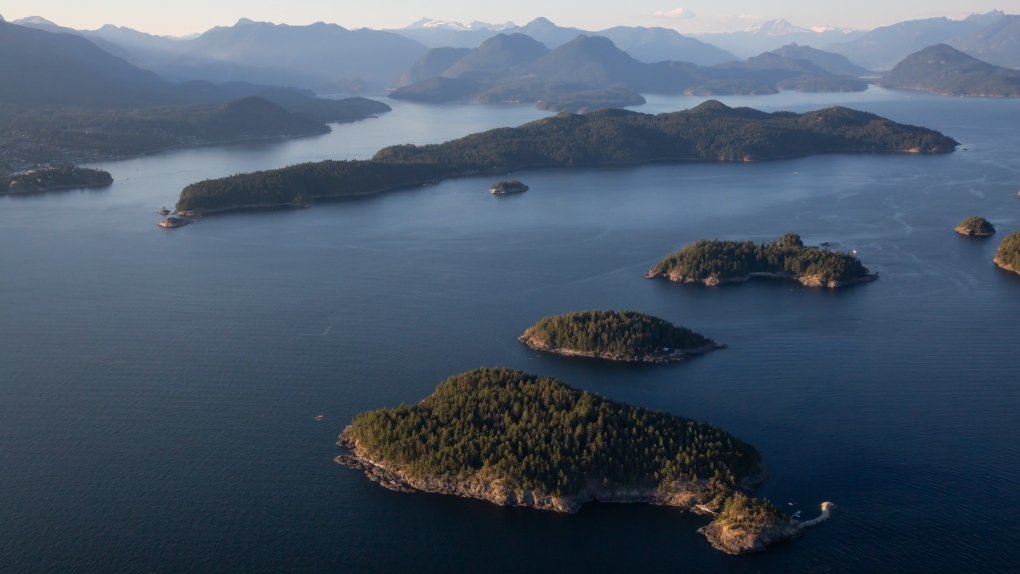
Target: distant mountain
(645,44)
(882,48)
(45,68)
(661,44)
(997,43)
(40,23)
(828,61)
(303,56)
(432,64)
(775,34)
(145,49)
(496,57)
(944,70)
(517,68)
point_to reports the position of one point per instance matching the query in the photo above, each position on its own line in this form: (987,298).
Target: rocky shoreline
(671,357)
(698,497)
(1005,266)
(972,233)
(809,281)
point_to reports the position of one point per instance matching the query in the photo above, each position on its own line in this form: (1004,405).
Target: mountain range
(516,67)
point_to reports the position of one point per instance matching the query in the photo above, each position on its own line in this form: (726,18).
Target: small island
(616,336)
(1008,254)
(173,222)
(516,439)
(506,187)
(975,227)
(53,178)
(714,262)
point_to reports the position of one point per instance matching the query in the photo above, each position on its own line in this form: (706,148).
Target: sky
(182,17)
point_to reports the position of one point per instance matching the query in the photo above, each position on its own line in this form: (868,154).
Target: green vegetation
(714,261)
(508,186)
(944,70)
(62,177)
(35,136)
(612,334)
(975,226)
(537,433)
(1008,254)
(709,132)
(738,87)
(589,101)
(748,513)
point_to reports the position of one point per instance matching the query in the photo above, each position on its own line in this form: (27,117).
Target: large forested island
(709,132)
(714,262)
(616,336)
(1008,254)
(516,439)
(57,177)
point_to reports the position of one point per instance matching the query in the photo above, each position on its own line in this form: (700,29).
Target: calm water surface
(159,390)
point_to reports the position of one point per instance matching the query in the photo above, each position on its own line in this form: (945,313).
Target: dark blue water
(158,389)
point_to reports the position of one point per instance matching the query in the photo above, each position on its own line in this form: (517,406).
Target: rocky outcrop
(674,355)
(699,497)
(808,281)
(1003,265)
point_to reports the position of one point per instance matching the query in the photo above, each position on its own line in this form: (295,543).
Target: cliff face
(699,497)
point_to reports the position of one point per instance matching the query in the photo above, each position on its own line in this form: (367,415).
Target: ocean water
(159,389)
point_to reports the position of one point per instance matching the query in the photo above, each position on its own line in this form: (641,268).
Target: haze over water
(159,388)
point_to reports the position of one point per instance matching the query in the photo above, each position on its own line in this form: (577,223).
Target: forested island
(708,132)
(616,336)
(1008,254)
(33,136)
(52,178)
(714,262)
(516,439)
(975,227)
(591,100)
(508,186)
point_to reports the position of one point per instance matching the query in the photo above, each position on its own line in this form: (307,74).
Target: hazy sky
(188,16)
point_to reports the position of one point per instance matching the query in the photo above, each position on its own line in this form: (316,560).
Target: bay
(159,389)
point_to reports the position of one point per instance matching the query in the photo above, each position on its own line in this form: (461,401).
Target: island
(52,178)
(975,227)
(944,70)
(616,336)
(708,132)
(591,100)
(1008,254)
(516,439)
(714,262)
(508,186)
(173,222)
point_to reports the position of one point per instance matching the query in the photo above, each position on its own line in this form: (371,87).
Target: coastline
(502,170)
(1005,266)
(807,281)
(971,233)
(698,497)
(672,357)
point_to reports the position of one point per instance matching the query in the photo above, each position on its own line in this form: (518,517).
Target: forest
(612,334)
(715,259)
(708,132)
(60,177)
(538,433)
(1008,254)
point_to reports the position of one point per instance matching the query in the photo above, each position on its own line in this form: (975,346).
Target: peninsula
(714,262)
(616,336)
(508,186)
(1008,254)
(52,178)
(975,227)
(708,132)
(516,439)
